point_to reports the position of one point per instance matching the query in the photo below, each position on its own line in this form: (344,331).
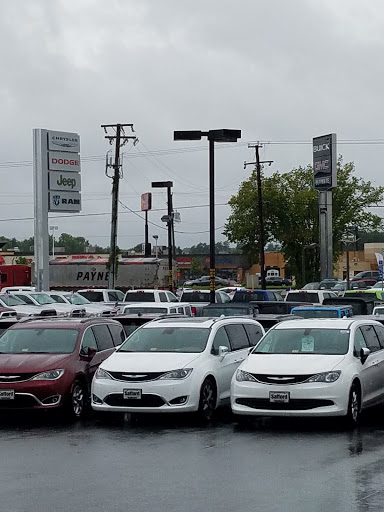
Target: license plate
(7,394)
(134,394)
(277,397)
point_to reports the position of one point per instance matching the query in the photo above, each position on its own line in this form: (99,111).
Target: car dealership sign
(325,162)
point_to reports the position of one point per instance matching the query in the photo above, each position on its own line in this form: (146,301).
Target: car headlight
(177,374)
(242,376)
(102,374)
(325,377)
(49,375)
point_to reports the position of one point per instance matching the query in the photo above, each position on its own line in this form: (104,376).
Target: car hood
(291,364)
(147,362)
(30,363)
(31,310)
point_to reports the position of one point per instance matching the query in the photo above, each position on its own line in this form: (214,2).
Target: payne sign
(325,162)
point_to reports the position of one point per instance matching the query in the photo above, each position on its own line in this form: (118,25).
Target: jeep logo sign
(58,161)
(64,181)
(325,162)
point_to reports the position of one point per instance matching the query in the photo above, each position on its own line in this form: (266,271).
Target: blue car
(323,311)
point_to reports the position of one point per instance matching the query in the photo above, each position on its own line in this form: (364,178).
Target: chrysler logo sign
(63,141)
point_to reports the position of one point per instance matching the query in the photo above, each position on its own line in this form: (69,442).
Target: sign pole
(329,231)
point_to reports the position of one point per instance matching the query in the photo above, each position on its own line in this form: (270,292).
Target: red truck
(15,275)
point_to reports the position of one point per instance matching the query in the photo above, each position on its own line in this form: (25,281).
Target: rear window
(226,312)
(249,295)
(316,313)
(93,296)
(136,311)
(302,297)
(140,296)
(195,297)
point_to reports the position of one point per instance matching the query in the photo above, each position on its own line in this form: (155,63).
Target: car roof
(65,323)
(199,322)
(322,323)
(141,290)
(324,306)
(156,304)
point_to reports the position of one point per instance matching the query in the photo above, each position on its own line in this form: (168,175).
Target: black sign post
(325,179)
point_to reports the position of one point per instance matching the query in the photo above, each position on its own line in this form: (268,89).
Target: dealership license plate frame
(4,392)
(132,394)
(284,397)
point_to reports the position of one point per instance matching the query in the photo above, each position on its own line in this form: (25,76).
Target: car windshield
(93,296)
(316,313)
(226,311)
(302,297)
(140,296)
(304,341)
(379,284)
(77,300)
(38,341)
(42,298)
(11,301)
(311,286)
(195,297)
(340,286)
(167,339)
(136,311)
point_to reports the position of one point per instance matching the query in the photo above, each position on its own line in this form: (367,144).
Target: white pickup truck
(145,295)
(102,295)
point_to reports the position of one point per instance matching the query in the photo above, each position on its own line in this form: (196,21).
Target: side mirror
(364,353)
(88,353)
(223,351)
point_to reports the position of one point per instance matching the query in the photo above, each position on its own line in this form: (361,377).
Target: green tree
(21,260)
(291,214)
(72,244)
(196,268)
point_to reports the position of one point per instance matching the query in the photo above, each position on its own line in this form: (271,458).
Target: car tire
(207,403)
(352,417)
(77,402)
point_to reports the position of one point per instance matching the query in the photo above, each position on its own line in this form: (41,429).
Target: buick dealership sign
(325,162)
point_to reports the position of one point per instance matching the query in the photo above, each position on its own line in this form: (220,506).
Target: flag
(379,259)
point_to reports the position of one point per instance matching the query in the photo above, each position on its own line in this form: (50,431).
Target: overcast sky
(278,70)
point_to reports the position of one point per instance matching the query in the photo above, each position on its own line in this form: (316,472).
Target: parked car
(361,305)
(200,298)
(42,299)
(75,299)
(175,365)
(150,296)
(25,310)
(230,309)
(328,284)
(379,284)
(9,289)
(312,296)
(313,368)
(205,281)
(230,290)
(376,293)
(321,311)
(274,307)
(256,295)
(366,274)
(49,363)
(277,281)
(157,308)
(102,295)
(269,320)
(311,286)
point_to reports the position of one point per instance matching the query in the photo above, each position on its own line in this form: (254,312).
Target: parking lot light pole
(168,185)
(213,136)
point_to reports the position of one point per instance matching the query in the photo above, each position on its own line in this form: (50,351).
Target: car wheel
(77,400)
(354,407)
(207,403)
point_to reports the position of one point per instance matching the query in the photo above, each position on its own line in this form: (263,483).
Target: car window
(93,296)
(302,297)
(277,296)
(140,296)
(180,310)
(254,333)
(117,333)
(103,336)
(113,297)
(224,297)
(237,336)
(371,338)
(26,299)
(220,340)
(188,310)
(58,299)
(380,334)
(163,297)
(359,343)
(88,341)
(172,297)
(218,298)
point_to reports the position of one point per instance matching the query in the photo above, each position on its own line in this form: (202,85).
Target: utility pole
(257,163)
(120,140)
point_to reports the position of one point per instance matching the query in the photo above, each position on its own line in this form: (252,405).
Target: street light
(309,246)
(168,219)
(213,136)
(156,237)
(53,229)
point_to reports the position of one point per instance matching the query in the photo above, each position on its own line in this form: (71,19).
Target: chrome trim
(37,400)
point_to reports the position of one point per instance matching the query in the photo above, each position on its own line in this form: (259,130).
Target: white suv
(328,367)
(175,365)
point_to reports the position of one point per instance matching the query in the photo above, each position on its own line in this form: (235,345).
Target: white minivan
(175,365)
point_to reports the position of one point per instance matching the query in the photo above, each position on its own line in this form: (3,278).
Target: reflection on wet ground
(173,464)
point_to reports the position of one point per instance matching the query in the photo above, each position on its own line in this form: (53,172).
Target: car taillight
(193,310)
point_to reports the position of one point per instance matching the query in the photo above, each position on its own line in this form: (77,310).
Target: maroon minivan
(49,363)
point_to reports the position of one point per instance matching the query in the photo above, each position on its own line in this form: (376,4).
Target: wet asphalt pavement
(173,465)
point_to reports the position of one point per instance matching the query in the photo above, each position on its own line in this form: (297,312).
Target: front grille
(292,405)
(78,313)
(117,400)
(9,378)
(280,379)
(48,312)
(19,402)
(136,376)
